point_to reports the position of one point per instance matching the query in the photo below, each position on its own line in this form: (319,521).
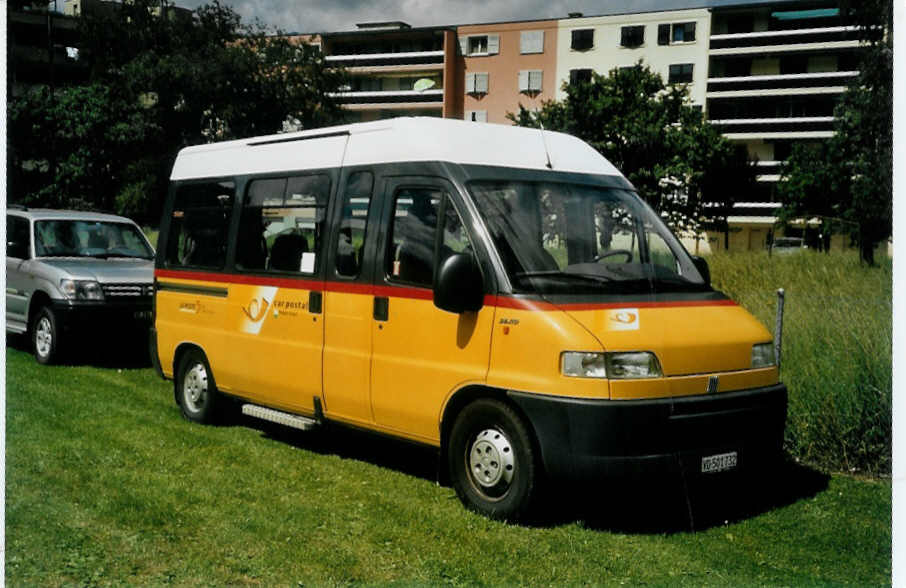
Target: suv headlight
(762,355)
(622,365)
(81,289)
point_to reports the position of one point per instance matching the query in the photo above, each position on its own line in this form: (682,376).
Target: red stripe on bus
(424,293)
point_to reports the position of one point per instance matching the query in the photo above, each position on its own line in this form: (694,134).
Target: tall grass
(837,350)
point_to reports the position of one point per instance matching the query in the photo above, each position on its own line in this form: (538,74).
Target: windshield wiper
(561,274)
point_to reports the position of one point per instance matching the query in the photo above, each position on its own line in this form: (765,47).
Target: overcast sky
(312,16)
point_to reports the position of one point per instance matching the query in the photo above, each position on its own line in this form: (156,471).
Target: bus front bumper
(590,439)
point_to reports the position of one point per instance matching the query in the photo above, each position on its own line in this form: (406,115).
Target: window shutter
(534,80)
(523,80)
(470,83)
(493,44)
(464,45)
(531,42)
(481,83)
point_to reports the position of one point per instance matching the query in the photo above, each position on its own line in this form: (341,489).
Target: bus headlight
(623,365)
(633,364)
(81,289)
(578,364)
(762,355)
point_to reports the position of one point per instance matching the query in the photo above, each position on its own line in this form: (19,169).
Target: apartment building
(672,43)
(505,65)
(775,73)
(397,70)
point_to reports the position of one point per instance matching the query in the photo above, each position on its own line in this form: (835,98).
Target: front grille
(127,290)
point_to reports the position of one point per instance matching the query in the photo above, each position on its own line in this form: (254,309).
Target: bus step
(276,416)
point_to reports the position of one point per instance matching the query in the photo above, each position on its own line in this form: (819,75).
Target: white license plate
(719,463)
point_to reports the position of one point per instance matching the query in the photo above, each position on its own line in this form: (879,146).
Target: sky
(313,16)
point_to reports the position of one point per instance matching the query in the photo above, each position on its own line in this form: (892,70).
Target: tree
(848,179)
(160,80)
(678,162)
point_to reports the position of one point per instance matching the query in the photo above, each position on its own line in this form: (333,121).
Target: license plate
(719,463)
(143,315)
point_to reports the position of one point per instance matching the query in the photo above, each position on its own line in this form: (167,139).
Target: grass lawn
(108,485)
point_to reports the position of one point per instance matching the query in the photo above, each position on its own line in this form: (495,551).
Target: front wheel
(45,337)
(492,460)
(196,391)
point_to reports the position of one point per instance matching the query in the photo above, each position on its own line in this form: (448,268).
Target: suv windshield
(78,238)
(558,238)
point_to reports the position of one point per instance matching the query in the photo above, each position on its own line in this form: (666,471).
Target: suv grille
(127,290)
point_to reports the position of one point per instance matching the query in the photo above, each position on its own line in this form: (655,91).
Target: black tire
(45,337)
(196,391)
(492,460)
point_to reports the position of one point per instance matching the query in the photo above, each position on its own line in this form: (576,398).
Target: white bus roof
(393,141)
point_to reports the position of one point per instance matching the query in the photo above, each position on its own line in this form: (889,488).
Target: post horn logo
(256,310)
(624,316)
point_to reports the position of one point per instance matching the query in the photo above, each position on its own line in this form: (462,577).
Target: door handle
(381,308)
(314,302)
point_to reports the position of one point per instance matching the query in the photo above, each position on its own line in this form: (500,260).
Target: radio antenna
(547,153)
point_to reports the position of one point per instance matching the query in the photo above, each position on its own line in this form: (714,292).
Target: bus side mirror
(702,266)
(459,286)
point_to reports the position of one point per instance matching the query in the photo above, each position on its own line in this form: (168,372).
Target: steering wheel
(613,252)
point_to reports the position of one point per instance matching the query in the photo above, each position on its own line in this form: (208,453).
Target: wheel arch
(462,398)
(178,354)
(38,300)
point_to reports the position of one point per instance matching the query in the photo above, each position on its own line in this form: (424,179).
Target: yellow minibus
(499,293)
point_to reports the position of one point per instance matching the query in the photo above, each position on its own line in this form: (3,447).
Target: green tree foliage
(847,180)
(678,162)
(159,80)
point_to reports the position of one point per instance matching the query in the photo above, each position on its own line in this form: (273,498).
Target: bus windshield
(560,238)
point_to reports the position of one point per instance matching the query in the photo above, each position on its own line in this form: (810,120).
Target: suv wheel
(45,337)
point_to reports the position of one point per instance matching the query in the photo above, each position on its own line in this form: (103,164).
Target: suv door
(19,283)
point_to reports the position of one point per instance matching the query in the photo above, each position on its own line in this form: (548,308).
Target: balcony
(388,61)
(785,40)
(776,85)
(768,171)
(802,127)
(382,99)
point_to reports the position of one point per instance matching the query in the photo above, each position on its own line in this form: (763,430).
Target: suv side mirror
(702,266)
(459,285)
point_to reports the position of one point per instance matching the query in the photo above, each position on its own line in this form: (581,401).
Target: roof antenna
(546,152)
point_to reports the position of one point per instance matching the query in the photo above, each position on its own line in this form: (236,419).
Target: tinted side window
(282,223)
(200,224)
(411,252)
(353,224)
(17,237)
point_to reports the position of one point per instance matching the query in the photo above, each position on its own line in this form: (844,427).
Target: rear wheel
(196,391)
(492,460)
(45,336)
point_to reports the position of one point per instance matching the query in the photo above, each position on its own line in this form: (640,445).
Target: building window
(530,80)
(583,39)
(633,36)
(684,32)
(477,115)
(479,45)
(680,73)
(476,83)
(579,76)
(663,34)
(531,42)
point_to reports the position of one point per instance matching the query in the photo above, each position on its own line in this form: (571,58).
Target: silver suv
(71,274)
